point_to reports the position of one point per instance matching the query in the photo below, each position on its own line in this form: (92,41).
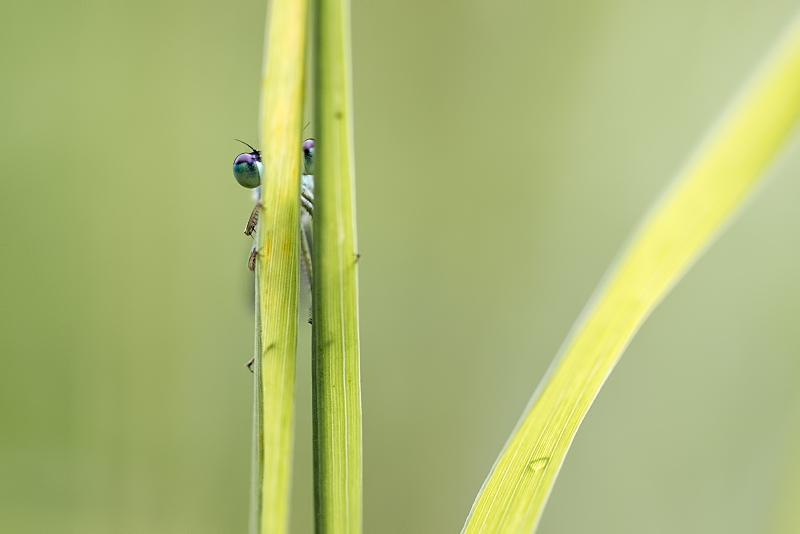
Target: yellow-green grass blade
(786,514)
(692,212)
(277,263)
(336,380)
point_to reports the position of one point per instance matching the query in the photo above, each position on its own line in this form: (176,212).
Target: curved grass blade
(277,263)
(336,380)
(693,211)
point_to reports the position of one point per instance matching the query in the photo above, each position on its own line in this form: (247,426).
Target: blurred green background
(505,150)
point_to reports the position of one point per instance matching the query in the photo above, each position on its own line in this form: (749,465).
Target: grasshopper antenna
(248,144)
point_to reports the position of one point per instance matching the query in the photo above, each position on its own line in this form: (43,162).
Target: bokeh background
(505,150)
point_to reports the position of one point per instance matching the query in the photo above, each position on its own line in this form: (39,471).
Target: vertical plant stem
(336,381)
(277,264)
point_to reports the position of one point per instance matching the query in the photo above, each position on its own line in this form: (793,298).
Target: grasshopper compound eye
(247,168)
(308,156)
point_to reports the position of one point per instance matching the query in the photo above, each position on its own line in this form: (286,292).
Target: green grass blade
(785,514)
(277,265)
(336,381)
(692,212)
